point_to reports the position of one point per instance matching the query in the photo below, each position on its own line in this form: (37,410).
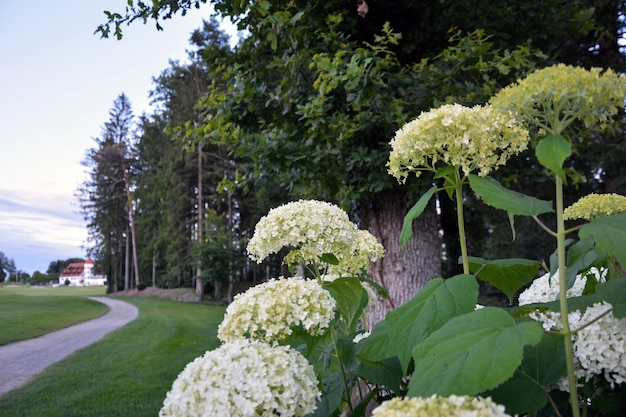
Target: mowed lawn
(128,372)
(27,312)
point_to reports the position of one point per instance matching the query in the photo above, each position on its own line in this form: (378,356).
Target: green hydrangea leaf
(543,365)
(376,346)
(471,353)
(580,256)
(609,233)
(552,151)
(387,373)
(332,396)
(432,307)
(495,195)
(414,213)
(508,275)
(350,296)
(614,292)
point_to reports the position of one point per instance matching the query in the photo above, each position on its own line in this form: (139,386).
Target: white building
(81,274)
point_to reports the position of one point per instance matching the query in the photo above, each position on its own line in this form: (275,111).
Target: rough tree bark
(403,272)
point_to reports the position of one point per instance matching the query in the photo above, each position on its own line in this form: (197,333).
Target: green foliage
(614,293)
(543,365)
(351,299)
(508,275)
(471,353)
(409,324)
(609,234)
(552,151)
(495,195)
(414,213)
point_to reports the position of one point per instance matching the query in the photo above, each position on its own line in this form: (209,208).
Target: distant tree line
(304,107)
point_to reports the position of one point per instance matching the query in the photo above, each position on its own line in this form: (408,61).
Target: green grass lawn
(27,312)
(129,372)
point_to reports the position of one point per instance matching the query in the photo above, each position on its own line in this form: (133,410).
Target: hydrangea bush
(561,352)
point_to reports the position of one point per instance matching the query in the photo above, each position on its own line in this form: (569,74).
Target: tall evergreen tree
(105,197)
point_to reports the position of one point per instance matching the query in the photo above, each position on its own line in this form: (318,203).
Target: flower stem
(342,371)
(458,192)
(567,334)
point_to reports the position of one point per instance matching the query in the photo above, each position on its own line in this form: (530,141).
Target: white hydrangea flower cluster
(452,406)
(594,205)
(270,311)
(312,228)
(599,346)
(244,379)
(478,138)
(365,250)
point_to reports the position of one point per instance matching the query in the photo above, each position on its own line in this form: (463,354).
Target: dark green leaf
(495,195)
(609,234)
(551,152)
(414,213)
(332,396)
(471,353)
(376,346)
(543,365)
(433,306)
(580,256)
(329,258)
(614,292)
(387,373)
(350,296)
(508,275)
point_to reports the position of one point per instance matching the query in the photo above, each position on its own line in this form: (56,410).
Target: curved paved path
(21,361)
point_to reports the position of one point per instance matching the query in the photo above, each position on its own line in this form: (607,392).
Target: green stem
(458,192)
(342,371)
(567,338)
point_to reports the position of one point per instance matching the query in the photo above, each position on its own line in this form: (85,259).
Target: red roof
(89,261)
(73,270)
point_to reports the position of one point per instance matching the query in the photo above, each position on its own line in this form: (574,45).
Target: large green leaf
(471,353)
(614,292)
(414,213)
(439,301)
(542,366)
(376,346)
(551,152)
(609,234)
(350,296)
(508,275)
(387,373)
(495,195)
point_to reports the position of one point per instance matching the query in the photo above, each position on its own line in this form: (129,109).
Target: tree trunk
(199,282)
(131,219)
(127,264)
(401,272)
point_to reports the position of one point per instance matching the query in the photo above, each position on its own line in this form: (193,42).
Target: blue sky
(58,81)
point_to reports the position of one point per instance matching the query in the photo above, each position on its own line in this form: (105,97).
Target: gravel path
(21,361)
